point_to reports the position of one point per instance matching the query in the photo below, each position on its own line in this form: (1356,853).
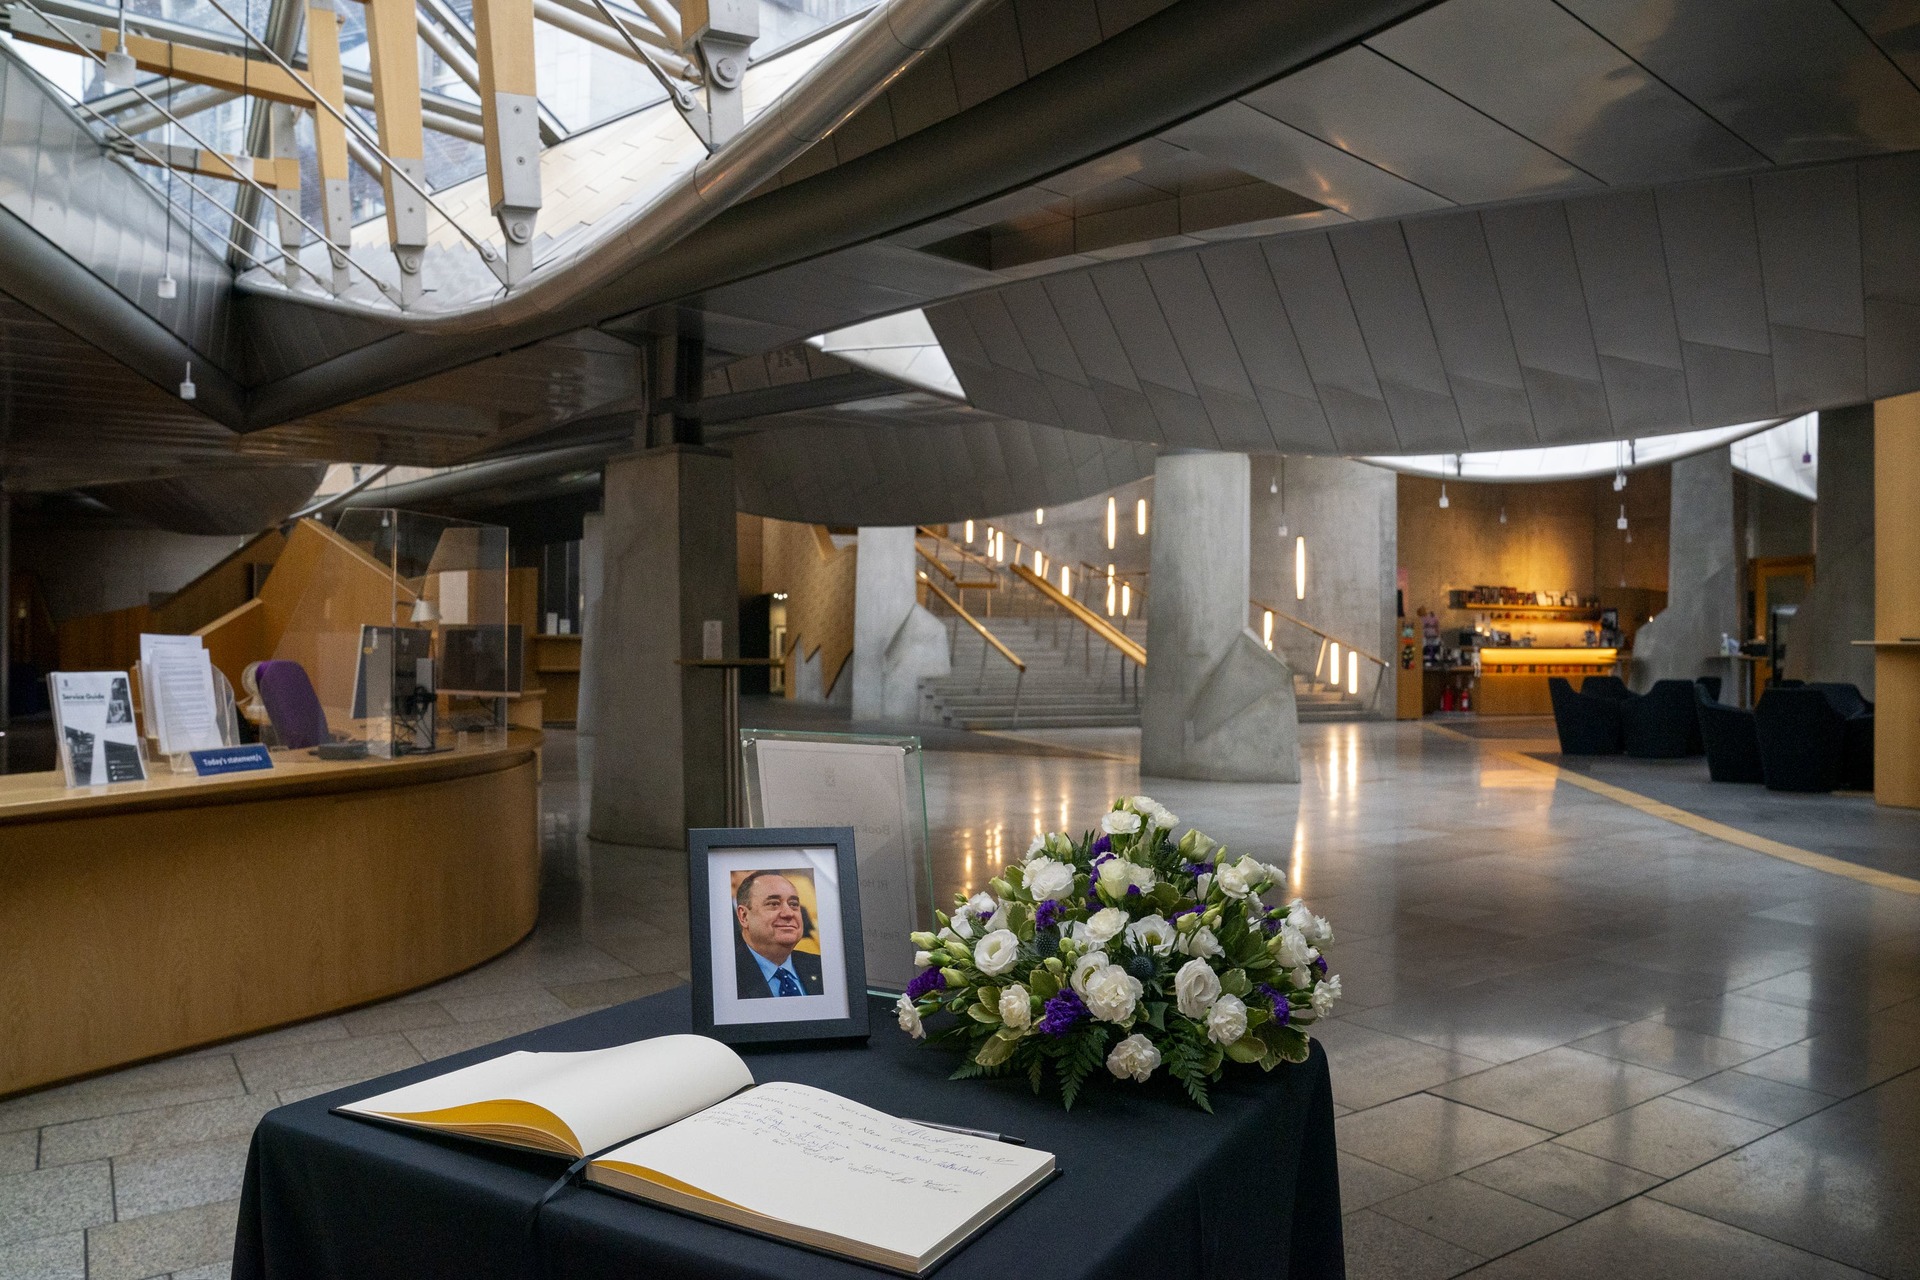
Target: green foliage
(1043,983)
(1084,1050)
(1186,1062)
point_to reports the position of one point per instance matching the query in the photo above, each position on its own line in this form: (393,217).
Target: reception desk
(1513,682)
(146,918)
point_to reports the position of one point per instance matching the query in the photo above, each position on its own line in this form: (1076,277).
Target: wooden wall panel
(817,576)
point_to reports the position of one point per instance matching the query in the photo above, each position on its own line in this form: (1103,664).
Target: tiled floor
(1578,1040)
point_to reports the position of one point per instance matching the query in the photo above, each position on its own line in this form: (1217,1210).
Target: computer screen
(480,661)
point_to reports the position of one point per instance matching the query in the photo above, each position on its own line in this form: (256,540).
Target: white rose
(962,923)
(1135,1056)
(1241,879)
(1117,875)
(1084,966)
(909,1018)
(1201,884)
(1111,993)
(982,904)
(1292,951)
(1039,843)
(1103,924)
(1227,1020)
(1201,942)
(1195,988)
(1301,977)
(1316,928)
(996,952)
(1047,879)
(1275,874)
(1120,823)
(922,959)
(1015,1010)
(1152,933)
(1325,992)
(1142,804)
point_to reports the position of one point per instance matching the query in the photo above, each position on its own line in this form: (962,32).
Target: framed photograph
(776,941)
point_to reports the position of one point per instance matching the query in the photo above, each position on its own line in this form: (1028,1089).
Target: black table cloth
(1151,1185)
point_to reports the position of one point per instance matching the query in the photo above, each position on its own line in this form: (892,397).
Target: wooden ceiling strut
(510,119)
(393,51)
(330,134)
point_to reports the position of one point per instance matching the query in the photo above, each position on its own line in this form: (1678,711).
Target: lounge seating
(1856,766)
(1606,687)
(1802,740)
(1661,724)
(1727,733)
(1588,723)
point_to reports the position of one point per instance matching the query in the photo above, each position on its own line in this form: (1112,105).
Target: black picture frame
(706,843)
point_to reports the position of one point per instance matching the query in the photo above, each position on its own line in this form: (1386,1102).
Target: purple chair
(292,705)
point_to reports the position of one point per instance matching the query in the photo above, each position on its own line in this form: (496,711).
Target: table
(145,918)
(1151,1185)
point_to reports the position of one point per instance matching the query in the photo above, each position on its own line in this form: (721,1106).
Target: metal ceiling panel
(1095,343)
(1713,262)
(1798,80)
(1199,330)
(1807,222)
(1041,333)
(1182,417)
(1894,25)
(1142,327)
(1386,299)
(1316,299)
(1725,385)
(1462,295)
(1544,74)
(1262,335)
(1365,104)
(1623,268)
(1813,369)
(1533,260)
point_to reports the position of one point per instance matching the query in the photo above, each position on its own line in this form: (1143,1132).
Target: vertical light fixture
(1300,567)
(1444,504)
(1266,627)
(1111,594)
(1353,672)
(1113,522)
(1039,515)
(187,390)
(1126,600)
(1621,523)
(1066,581)
(969,533)
(1279,486)
(1140,517)
(1333,668)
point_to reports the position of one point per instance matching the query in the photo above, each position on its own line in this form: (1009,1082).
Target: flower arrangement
(1127,948)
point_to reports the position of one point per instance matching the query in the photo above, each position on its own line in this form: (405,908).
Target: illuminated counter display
(1513,682)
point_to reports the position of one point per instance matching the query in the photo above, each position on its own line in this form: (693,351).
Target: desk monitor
(481,662)
(395,658)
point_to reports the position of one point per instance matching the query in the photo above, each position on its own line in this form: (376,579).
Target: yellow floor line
(1694,822)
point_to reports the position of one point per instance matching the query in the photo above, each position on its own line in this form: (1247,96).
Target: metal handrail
(1308,626)
(941,539)
(931,559)
(960,612)
(1127,645)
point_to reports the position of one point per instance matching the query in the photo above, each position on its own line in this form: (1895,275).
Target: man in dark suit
(767,909)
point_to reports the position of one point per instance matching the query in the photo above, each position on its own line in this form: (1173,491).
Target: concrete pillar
(1703,576)
(1896,601)
(1839,609)
(1218,706)
(896,642)
(668,570)
(1348,513)
(592,563)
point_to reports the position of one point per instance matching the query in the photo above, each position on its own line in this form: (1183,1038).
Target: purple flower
(925,981)
(1282,1012)
(1195,909)
(1133,891)
(1197,868)
(1320,963)
(1047,914)
(1103,845)
(1061,1013)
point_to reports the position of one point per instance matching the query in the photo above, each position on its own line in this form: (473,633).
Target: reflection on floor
(1578,1041)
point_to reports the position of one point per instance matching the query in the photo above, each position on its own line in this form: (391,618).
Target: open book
(688,1130)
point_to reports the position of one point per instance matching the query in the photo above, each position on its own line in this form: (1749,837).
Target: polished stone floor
(1579,1040)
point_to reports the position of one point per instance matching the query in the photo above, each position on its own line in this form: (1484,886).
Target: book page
(600,1096)
(825,1164)
(183,698)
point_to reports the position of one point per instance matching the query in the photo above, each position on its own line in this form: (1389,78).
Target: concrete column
(896,642)
(1839,609)
(668,569)
(592,563)
(1703,576)
(1218,706)
(1896,602)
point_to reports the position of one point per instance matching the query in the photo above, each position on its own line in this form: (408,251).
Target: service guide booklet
(99,743)
(784,1160)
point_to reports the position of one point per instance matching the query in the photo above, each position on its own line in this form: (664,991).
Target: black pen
(971,1133)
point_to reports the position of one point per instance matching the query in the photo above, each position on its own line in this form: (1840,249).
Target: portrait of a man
(771,923)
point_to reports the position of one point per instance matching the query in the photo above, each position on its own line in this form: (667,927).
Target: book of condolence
(680,1122)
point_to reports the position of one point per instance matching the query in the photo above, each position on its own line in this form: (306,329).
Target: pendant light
(121,68)
(1278,485)
(1503,513)
(1444,504)
(1621,523)
(187,390)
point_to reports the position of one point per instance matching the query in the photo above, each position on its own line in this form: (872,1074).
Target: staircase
(1068,684)
(1318,703)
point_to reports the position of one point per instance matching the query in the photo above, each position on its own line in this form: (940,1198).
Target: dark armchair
(1588,724)
(1802,740)
(1856,766)
(1732,744)
(1661,724)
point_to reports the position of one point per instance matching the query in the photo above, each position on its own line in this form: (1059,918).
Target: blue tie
(789,985)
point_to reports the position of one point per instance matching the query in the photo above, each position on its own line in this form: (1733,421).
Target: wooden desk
(556,666)
(147,918)
(1513,681)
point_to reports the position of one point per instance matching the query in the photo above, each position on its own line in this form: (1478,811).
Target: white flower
(1201,884)
(909,1018)
(1120,823)
(982,904)
(1325,992)
(922,959)
(1292,950)
(1152,933)
(1047,879)
(1201,942)
(1155,812)
(1118,874)
(1241,879)
(1039,843)
(996,952)
(1135,1056)
(1316,928)
(1015,1009)
(1111,993)
(962,923)
(1275,874)
(1196,987)
(1227,1020)
(1301,977)
(1084,966)
(1103,924)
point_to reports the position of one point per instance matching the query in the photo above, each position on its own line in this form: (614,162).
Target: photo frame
(777,950)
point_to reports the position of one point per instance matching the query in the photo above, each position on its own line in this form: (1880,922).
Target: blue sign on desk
(230,760)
